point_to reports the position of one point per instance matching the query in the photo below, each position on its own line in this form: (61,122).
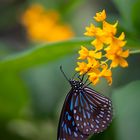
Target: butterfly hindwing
(105,110)
(93,113)
(67,129)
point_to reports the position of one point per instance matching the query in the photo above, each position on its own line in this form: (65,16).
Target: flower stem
(134,51)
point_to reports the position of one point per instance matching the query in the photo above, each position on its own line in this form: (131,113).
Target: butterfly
(84,112)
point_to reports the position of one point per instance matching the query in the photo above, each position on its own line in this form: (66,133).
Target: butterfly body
(84,112)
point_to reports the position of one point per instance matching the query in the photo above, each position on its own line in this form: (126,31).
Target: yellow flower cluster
(45,25)
(107,52)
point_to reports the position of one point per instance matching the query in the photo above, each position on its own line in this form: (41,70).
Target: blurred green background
(32,88)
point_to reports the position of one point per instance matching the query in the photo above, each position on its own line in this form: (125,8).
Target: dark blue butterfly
(84,112)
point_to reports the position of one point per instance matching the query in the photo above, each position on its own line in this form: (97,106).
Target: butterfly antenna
(64,74)
(85,74)
(74,75)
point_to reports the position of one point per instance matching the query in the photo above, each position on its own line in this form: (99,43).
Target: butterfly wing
(67,129)
(93,113)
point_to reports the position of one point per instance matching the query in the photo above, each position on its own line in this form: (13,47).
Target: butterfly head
(75,84)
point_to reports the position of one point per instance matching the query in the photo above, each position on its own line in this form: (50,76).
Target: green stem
(134,51)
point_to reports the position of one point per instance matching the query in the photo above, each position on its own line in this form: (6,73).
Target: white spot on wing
(77,118)
(92,126)
(84,124)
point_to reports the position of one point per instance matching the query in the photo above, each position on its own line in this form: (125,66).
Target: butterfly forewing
(67,129)
(93,113)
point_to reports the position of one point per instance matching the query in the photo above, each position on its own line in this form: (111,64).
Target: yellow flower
(122,36)
(93,64)
(118,57)
(108,51)
(117,42)
(83,53)
(98,33)
(109,32)
(101,16)
(44,25)
(106,73)
(98,44)
(109,28)
(60,32)
(95,76)
(94,54)
(36,13)
(82,67)
(91,30)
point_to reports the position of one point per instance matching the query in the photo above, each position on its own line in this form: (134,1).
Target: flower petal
(93,78)
(83,53)
(123,63)
(98,44)
(114,63)
(122,36)
(125,54)
(100,16)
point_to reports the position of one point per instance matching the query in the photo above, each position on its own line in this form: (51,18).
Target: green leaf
(126,102)
(42,54)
